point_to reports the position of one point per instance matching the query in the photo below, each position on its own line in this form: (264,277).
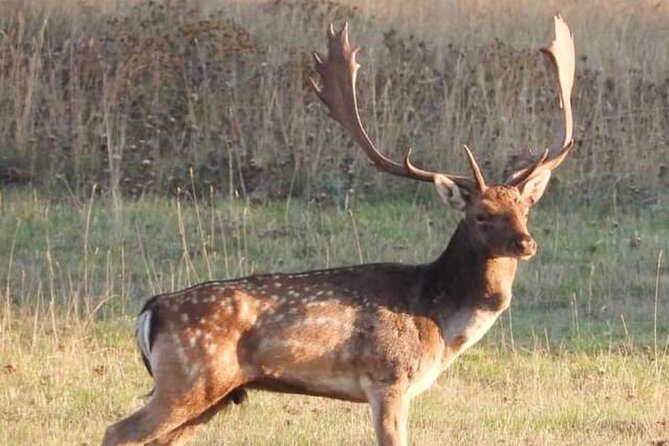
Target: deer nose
(524,245)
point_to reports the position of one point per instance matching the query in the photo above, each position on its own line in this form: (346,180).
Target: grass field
(581,358)
(146,146)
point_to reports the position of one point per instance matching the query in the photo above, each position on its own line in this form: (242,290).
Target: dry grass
(66,394)
(129,95)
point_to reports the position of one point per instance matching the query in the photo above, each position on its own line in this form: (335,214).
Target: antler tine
(460,180)
(338,74)
(476,170)
(560,54)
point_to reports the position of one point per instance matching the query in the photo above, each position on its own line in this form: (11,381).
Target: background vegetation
(149,145)
(129,95)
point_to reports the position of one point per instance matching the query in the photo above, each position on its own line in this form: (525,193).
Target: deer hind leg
(177,400)
(149,422)
(167,418)
(390,412)
(182,433)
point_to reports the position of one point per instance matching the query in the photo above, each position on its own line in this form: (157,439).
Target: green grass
(575,361)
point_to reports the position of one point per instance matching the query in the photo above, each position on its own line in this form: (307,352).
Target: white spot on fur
(243,310)
(194,370)
(321,320)
(179,349)
(224,355)
(246,312)
(184,318)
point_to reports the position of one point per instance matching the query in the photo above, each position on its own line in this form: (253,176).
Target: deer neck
(463,277)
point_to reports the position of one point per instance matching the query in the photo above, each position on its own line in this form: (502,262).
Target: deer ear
(533,188)
(451,193)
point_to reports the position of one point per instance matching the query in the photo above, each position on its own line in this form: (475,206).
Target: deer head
(494,215)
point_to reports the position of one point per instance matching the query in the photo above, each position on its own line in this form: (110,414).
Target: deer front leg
(390,412)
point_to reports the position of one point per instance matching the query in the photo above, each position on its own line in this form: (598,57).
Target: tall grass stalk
(655,310)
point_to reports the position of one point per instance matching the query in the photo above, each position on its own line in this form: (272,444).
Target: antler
(560,54)
(338,74)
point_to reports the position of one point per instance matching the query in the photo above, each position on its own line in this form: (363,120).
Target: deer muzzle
(523,246)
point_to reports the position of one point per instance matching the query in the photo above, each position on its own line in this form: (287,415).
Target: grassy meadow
(581,358)
(148,146)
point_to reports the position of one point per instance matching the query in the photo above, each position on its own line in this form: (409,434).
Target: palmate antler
(561,56)
(338,75)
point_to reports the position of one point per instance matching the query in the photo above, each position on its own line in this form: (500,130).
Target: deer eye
(482,217)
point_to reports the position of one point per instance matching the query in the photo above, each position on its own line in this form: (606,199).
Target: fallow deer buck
(376,333)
